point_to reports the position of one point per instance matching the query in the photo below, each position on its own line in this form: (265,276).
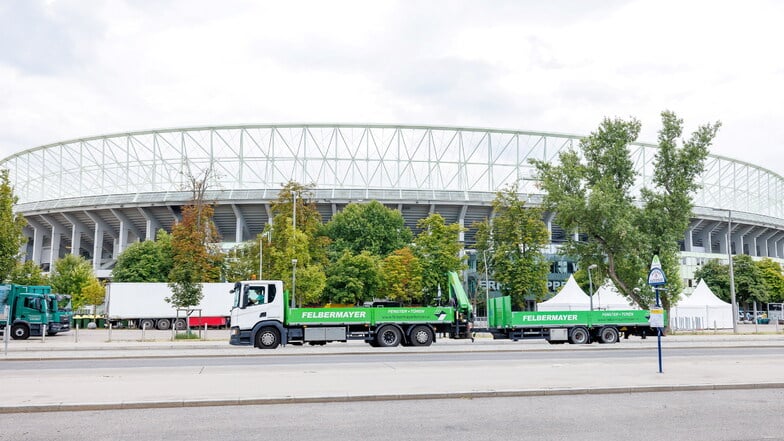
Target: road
(732,415)
(604,354)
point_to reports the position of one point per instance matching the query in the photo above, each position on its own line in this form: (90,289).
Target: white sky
(79,68)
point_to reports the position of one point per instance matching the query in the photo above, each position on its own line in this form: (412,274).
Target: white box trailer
(143,305)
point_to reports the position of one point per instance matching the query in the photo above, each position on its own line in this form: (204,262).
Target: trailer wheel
(579,336)
(389,336)
(20,331)
(608,335)
(421,336)
(163,324)
(147,324)
(179,324)
(268,338)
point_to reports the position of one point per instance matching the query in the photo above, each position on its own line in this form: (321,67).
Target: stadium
(94,196)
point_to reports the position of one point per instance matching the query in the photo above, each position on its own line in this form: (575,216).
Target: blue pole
(658,331)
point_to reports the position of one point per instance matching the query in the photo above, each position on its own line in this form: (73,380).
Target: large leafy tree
(749,284)
(303,243)
(401,273)
(513,241)
(593,194)
(27,273)
(717,277)
(11,225)
(71,275)
(353,279)
(368,227)
(772,279)
(148,261)
(437,247)
(760,281)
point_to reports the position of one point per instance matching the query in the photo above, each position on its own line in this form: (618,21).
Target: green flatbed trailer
(262,317)
(577,327)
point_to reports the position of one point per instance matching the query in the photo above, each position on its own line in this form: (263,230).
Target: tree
(772,279)
(195,256)
(353,278)
(11,225)
(71,275)
(303,243)
(93,293)
(514,240)
(367,227)
(620,233)
(717,277)
(437,247)
(749,285)
(27,273)
(148,261)
(401,273)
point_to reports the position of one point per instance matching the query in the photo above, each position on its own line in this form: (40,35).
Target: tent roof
(607,296)
(570,294)
(702,296)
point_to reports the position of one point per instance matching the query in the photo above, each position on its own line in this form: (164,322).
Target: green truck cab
(60,313)
(261,316)
(24,310)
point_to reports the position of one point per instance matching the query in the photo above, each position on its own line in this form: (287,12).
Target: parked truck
(577,327)
(261,316)
(24,310)
(144,305)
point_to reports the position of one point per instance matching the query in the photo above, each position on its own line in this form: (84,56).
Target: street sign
(657,318)
(656,277)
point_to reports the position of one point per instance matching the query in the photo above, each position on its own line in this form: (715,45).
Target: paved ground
(50,389)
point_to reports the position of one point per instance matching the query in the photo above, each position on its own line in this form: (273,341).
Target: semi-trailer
(261,316)
(144,306)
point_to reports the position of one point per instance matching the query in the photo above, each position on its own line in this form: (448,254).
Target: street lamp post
(590,284)
(293,282)
(732,274)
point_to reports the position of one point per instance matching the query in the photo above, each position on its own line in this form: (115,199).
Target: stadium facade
(94,196)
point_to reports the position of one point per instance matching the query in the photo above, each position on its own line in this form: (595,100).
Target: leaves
(71,275)
(11,225)
(148,261)
(437,247)
(367,227)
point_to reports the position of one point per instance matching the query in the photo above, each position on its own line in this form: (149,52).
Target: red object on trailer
(209,321)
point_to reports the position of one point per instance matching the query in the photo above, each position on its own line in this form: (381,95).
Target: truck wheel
(20,331)
(51,333)
(421,336)
(608,335)
(388,337)
(163,324)
(147,324)
(268,338)
(579,336)
(179,324)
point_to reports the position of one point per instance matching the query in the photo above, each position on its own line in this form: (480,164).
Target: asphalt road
(731,415)
(605,354)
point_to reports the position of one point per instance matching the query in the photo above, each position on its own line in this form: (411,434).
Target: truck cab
(25,313)
(257,303)
(60,313)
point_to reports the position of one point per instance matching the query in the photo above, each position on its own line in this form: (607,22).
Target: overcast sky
(79,68)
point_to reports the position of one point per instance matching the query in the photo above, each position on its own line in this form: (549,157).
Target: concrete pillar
(97,247)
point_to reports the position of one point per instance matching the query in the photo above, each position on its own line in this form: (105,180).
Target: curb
(383,397)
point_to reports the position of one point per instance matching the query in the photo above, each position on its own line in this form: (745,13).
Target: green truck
(577,327)
(25,310)
(60,313)
(261,316)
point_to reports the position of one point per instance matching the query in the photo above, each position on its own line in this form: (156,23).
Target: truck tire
(20,331)
(579,336)
(421,335)
(608,335)
(388,336)
(179,324)
(268,338)
(163,324)
(147,324)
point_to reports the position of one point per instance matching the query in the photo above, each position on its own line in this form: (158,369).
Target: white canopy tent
(701,310)
(607,297)
(570,298)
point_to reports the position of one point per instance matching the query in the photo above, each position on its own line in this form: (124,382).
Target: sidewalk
(45,389)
